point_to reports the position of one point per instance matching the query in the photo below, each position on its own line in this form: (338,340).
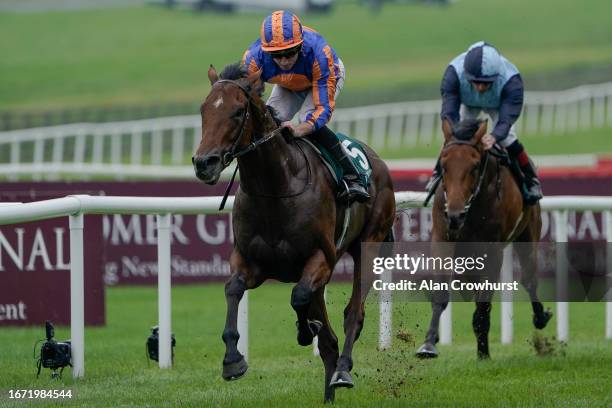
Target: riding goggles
(289,53)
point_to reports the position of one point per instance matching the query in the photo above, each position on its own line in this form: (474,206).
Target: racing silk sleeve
(451,97)
(323,88)
(510,107)
(250,60)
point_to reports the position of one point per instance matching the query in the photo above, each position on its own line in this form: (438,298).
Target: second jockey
(481,80)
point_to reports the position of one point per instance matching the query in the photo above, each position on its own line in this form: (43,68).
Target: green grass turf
(147,55)
(283,374)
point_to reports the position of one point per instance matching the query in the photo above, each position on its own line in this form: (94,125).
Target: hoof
(484,356)
(330,395)
(427,350)
(235,370)
(541,321)
(341,379)
(304,337)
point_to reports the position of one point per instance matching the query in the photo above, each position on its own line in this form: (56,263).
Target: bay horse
(286,219)
(479,201)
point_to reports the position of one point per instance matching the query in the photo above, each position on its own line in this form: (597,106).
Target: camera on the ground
(53,354)
(153,344)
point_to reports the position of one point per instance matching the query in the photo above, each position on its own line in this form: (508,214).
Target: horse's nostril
(212,161)
(456,219)
(192,159)
(202,163)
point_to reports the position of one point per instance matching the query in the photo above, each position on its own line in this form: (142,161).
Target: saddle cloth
(353,150)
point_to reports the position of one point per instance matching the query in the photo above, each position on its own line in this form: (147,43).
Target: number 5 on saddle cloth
(346,160)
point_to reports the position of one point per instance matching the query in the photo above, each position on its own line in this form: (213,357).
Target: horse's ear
(447,129)
(212,75)
(482,130)
(256,83)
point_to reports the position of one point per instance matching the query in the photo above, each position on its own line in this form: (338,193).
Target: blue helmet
(482,62)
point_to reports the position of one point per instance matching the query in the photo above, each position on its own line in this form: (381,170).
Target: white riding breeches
(287,103)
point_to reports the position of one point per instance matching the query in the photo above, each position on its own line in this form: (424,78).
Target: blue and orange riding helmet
(281,30)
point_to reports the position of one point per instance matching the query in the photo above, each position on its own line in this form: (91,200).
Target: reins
(233,153)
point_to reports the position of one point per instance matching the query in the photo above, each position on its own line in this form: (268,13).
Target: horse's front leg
(481,320)
(315,275)
(243,278)
(354,315)
(439,299)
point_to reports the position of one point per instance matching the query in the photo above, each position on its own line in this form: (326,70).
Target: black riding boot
(432,184)
(351,176)
(533,189)
(532,183)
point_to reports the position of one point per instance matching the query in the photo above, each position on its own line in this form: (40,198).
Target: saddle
(354,152)
(503,159)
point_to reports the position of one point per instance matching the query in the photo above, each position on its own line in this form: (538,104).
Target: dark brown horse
(479,201)
(286,219)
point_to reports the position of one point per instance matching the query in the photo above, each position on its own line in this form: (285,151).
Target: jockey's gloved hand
(488,141)
(287,132)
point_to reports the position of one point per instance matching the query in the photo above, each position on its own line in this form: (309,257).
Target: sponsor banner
(35,272)
(201,244)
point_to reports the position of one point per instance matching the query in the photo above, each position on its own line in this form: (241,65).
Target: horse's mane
(234,71)
(466,129)
(238,71)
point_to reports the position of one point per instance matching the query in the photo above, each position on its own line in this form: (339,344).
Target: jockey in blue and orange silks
(307,76)
(481,80)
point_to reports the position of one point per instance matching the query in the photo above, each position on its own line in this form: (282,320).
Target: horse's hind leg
(354,314)
(316,274)
(234,364)
(527,252)
(328,342)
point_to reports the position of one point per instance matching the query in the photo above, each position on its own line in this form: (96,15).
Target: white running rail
(76,206)
(162,147)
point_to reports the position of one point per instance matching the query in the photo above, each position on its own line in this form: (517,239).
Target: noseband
(476,190)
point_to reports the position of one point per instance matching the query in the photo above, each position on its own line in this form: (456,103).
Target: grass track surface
(146,55)
(282,374)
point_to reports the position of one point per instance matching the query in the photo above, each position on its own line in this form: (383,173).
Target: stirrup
(353,191)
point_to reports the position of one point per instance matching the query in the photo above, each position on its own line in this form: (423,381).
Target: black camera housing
(54,354)
(153,344)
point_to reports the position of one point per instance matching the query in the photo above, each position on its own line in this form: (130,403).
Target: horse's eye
(475,170)
(238,114)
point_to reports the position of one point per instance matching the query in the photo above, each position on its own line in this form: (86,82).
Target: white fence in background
(76,206)
(163,147)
